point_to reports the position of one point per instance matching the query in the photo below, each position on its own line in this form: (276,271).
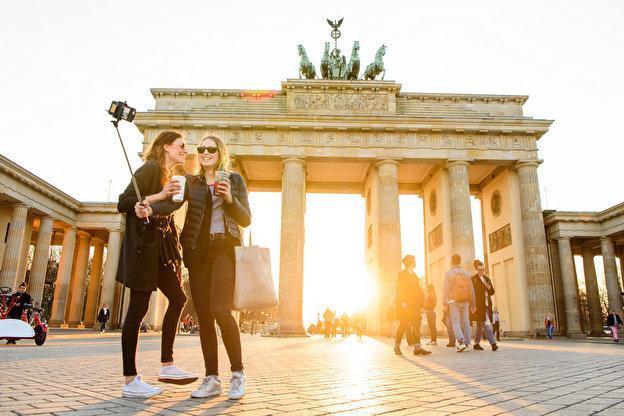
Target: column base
(576,335)
(57,324)
(597,333)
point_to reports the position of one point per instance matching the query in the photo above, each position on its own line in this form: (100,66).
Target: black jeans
(169,285)
(411,329)
(212,290)
(102,326)
(431,323)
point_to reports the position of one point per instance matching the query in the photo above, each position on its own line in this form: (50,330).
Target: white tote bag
(253,289)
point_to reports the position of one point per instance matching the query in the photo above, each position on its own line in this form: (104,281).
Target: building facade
(335,136)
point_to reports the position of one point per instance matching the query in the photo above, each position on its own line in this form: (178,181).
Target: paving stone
(314,376)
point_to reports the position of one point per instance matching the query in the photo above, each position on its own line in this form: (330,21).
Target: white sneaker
(432,343)
(462,348)
(211,386)
(237,385)
(174,374)
(137,388)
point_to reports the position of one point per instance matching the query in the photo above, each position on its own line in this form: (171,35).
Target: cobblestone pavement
(314,376)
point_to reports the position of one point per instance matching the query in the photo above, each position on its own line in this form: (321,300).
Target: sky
(64,61)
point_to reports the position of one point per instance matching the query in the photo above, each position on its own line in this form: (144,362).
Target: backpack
(461,288)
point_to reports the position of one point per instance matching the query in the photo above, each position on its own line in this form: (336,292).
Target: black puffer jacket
(197,193)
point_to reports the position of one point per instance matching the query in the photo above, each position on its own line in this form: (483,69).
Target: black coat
(408,290)
(140,249)
(613,320)
(103,316)
(480,293)
(20,302)
(198,216)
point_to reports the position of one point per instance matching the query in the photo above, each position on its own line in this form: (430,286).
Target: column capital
(527,163)
(286,160)
(381,162)
(70,228)
(21,204)
(114,230)
(564,238)
(457,162)
(83,235)
(606,238)
(97,241)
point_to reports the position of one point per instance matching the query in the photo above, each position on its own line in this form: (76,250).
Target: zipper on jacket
(201,221)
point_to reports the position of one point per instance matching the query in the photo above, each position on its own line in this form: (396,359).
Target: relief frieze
(500,238)
(353,102)
(435,238)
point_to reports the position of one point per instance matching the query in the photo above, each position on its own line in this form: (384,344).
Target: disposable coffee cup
(179,197)
(221,176)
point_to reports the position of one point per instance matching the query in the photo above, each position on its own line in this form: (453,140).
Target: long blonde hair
(224,155)
(156,151)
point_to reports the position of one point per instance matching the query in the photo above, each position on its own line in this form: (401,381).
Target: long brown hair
(157,153)
(224,155)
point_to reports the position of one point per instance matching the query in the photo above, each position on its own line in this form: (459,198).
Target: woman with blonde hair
(150,260)
(217,209)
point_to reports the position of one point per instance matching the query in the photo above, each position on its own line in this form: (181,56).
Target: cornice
(397,123)
(34,182)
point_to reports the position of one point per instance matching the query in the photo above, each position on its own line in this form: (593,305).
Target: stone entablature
(23,186)
(585,224)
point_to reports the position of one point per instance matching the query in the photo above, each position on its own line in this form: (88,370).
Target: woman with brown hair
(217,209)
(150,260)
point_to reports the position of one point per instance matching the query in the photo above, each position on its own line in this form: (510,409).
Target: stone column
(536,252)
(388,235)
(462,239)
(74,313)
(26,240)
(40,260)
(486,260)
(57,315)
(614,290)
(13,248)
(290,310)
(570,288)
(93,292)
(107,295)
(593,297)
(558,284)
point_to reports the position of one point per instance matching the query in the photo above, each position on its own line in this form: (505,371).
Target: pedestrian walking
(410,302)
(448,323)
(217,209)
(103,317)
(615,323)
(150,260)
(345,324)
(335,325)
(496,323)
(430,305)
(459,298)
(483,290)
(328,317)
(549,324)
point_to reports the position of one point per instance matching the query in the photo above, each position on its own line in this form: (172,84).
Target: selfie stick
(134,182)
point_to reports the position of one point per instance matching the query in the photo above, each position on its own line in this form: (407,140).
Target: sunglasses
(210,149)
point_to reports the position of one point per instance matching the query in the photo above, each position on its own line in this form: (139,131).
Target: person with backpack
(410,301)
(459,299)
(483,289)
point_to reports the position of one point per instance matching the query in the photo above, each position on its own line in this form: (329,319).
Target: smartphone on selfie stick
(122,111)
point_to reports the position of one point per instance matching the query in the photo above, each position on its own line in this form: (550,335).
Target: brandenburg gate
(367,137)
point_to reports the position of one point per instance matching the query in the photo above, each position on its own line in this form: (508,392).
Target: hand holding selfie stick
(121,111)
